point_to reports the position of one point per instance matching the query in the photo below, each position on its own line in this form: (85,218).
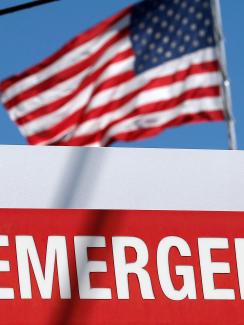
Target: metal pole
(219,38)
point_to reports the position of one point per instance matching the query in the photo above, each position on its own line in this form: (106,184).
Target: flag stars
(167,29)
(170,13)
(136,37)
(158,35)
(182,49)
(187,38)
(152,46)
(160,50)
(207,22)
(166,39)
(177,17)
(193,27)
(202,33)
(144,41)
(179,32)
(145,57)
(168,54)
(155,19)
(185,21)
(164,23)
(199,16)
(162,7)
(142,25)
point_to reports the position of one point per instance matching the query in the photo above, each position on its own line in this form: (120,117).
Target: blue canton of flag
(166,30)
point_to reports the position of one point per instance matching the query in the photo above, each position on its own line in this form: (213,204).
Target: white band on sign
(113,178)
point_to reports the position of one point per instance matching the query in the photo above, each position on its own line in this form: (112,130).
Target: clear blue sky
(27,37)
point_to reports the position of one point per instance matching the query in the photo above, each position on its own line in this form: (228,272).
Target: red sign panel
(121,267)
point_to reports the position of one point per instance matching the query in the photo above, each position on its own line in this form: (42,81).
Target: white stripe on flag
(146,97)
(141,80)
(47,97)
(145,121)
(74,56)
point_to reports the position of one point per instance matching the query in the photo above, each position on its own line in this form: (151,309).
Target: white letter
(122,269)
(187,272)
(239,244)
(56,247)
(208,268)
(85,267)
(5,293)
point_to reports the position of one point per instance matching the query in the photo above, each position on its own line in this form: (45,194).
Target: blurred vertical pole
(219,38)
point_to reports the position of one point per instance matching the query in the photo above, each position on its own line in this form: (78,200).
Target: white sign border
(121,178)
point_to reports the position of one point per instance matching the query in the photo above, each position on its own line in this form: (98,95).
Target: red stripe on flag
(183,119)
(74,43)
(80,116)
(179,76)
(75,119)
(158,82)
(65,74)
(57,104)
(49,108)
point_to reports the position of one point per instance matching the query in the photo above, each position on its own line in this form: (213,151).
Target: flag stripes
(136,134)
(89,94)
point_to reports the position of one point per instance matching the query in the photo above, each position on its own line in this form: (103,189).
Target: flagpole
(219,37)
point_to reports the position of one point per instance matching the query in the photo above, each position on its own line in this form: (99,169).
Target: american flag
(149,67)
